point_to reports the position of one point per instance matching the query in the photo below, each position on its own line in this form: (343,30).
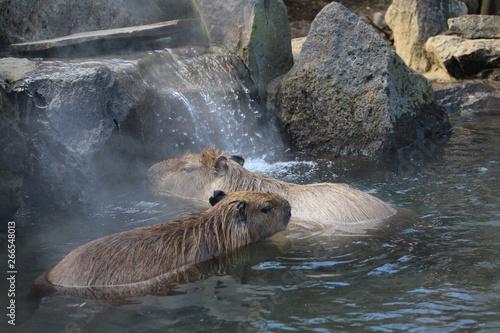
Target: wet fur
(323,204)
(142,254)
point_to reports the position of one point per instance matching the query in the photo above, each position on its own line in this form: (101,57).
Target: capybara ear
(218,196)
(220,165)
(238,158)
(241,207)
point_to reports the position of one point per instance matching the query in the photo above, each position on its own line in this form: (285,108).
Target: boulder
(475,26)
(350,93)
(415,21)
(257,31)
(465,58)
(31,20)
(65,114)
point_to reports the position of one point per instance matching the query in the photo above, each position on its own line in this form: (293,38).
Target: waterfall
(200,99)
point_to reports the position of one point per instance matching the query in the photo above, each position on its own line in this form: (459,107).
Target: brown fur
(197,176)
(149,252)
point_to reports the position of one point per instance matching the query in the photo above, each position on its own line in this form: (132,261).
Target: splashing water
(207,99)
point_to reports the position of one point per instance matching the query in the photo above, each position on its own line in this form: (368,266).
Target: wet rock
(470,97)
(14,69)
(12,159)
(465,58)
(350,93)
(13,143)
(30,20)
(475,26)
(415,21)
(257,31)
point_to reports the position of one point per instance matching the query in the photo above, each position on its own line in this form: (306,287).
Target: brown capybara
(146,253)
(196,176)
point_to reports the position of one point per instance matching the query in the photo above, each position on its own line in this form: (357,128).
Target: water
(437,274)
(205,97)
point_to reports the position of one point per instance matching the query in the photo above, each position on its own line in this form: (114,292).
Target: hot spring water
(438,273)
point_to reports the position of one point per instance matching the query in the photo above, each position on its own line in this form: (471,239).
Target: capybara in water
(196,176)
(141,254)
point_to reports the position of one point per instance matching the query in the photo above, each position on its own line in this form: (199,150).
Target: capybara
(141,254)
(196,176)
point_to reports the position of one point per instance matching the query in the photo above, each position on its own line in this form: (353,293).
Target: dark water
(439,273)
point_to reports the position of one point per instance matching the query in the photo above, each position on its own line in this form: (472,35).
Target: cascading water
(207,99)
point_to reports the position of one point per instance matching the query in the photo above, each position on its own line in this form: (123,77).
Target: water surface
(439,273)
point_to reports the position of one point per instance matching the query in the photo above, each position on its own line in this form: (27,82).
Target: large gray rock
(30,20)
(350,92)
(415,21)
(464,58)
(257,31)
(475,26)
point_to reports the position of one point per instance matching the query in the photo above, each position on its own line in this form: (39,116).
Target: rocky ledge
(473,51)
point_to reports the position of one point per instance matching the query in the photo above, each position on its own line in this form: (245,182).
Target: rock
(257,31)
(14,69)
(29,20)
(350,93)
(472,6)
(297,47)
(475,26)
(13,150)
(414,21)
(464,58)
(119,39)
(13,143)
(470,97)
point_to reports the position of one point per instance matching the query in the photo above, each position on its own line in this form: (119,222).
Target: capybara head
(252,215)
(195,175)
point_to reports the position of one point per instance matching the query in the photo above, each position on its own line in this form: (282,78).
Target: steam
(185,99)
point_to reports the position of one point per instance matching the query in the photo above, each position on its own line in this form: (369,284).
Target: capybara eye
(266,209)
(188,169)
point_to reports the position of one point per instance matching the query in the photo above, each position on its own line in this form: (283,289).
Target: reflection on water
(438,274)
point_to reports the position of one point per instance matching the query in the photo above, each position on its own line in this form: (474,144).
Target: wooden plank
(159,30)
